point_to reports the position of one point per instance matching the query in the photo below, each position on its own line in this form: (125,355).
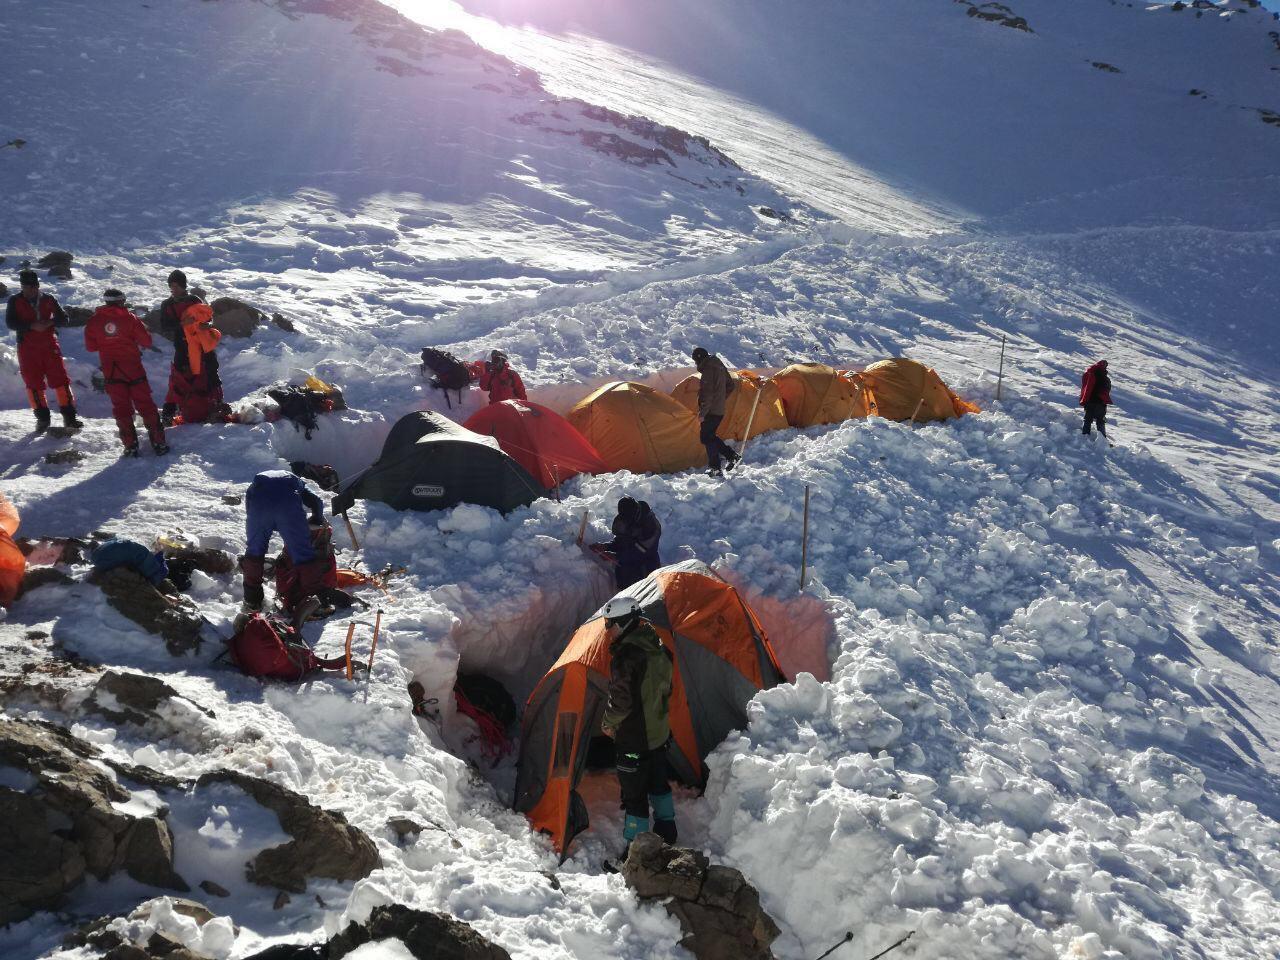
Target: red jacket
(117,337)
(504,384)
(1095,385)
(21,316)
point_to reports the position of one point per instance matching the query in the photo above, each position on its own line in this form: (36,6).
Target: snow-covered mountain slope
(1039,716)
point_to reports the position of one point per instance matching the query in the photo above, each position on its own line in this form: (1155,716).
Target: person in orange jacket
(118,337)
(192,380)
(500,380)
(199,395)
(33,316)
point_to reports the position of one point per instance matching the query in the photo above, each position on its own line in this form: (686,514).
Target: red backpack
(269,647)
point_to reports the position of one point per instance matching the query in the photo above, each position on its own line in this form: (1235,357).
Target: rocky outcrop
(149,932)
(134,698)
(174,618)
(323,844)
(718,910)
(57,263)
(996,13)
(59,822)
(235,318)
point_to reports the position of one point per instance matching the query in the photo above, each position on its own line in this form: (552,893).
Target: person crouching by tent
(279,502)
(33,316)
(638,719)
(500,380)
(713,390)
(117,337)
(1095,395)
(634,547)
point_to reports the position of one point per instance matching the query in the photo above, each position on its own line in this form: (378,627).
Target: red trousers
(132,394)
(196,397)
(40,362)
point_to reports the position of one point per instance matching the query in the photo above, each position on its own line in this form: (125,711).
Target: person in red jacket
(500,380)
(33,316)
(117,337)
(1095,396)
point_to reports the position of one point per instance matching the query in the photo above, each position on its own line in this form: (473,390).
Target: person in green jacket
(638,718)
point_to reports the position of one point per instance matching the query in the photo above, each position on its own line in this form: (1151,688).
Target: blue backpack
(125,553)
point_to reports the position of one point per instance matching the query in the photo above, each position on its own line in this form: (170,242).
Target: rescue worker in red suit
(118,337)
(1095,396)
(201,391)
(500,380)
(33,316)
(279,502)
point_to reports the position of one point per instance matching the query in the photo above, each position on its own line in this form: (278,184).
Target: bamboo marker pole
(351,632)
(1000,375)
(377,628)
(804,539)
(915,413)
(746,437)
(351,531)
(555,475)
(582,528)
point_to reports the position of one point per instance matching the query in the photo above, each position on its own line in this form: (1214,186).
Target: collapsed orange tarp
(13,565)
(903,389)
(813,394)
(633,427)
(769,411)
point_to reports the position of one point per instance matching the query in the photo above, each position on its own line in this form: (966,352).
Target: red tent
(540,440)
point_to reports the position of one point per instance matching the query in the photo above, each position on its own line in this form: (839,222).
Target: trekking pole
(1000,375)
(849,936)
(351,632)
(804,539)
(582,528)
(746,437)
(351,531)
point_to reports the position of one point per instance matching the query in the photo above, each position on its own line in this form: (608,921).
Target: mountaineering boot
(167,413)
(159,447)
(715,472)
(69,419)
(129,451)
(42,419)
(733,461)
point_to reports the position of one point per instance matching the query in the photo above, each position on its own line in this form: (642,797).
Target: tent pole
(555,475)
(746,437)
(351,531)
(804,539)
(1000,375)
(915,413)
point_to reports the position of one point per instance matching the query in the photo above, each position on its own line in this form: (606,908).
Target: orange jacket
(201,337)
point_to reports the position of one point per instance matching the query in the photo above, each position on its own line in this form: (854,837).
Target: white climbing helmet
(621,608)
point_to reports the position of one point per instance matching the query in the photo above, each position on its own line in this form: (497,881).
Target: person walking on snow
(1095,396)
(714,388)
(199,390)
(634,547)
(33,316)
(279,502)
(500,380)
(118,337)
(638,718)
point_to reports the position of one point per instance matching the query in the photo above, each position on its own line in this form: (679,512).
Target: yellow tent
(633,427)
(813,393)
(769,412)
(903,387)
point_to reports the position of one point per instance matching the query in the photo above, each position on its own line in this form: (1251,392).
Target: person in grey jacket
(717,383)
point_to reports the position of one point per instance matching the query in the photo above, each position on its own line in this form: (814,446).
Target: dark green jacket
(639,691)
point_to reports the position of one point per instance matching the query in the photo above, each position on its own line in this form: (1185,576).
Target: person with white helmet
(638,718)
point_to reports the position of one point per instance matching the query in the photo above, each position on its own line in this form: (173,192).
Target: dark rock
(323,844)
(201,293)
(235,318)
(59,457)
(1270,116)
(214,889)
(64,825)
(283,322)
(1105,67)
(37,577)
(176,619)
(132,698)
(403,827)
(78,316)
(4,291)
(151,319)
(428,936)
(718,910)
(57,263)
(281,901)
(997,13)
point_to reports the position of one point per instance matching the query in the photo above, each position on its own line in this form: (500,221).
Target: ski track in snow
(1037,680)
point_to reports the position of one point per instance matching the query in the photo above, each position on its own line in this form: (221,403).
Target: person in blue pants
(277,502)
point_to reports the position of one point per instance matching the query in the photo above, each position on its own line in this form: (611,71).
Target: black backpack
(302,405)
(449,373)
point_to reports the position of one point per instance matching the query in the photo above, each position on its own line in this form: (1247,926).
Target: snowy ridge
(1037,680)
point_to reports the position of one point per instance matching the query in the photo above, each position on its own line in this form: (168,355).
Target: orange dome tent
(769,412)
(721,659)
(904,389)
(633,427)
(13,564)
(813,393)
(539,439)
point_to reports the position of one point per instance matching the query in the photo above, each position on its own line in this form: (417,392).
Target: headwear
(178,277)
(700,354)
(1102,363)
(29,278)
(113,296)
(621,608)
(627,507)
(497,356)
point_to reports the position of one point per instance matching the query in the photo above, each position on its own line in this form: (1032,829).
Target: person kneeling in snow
(500,380)
(279,502)
(117,337)
(638,718)
(1095,395)
(634,547)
